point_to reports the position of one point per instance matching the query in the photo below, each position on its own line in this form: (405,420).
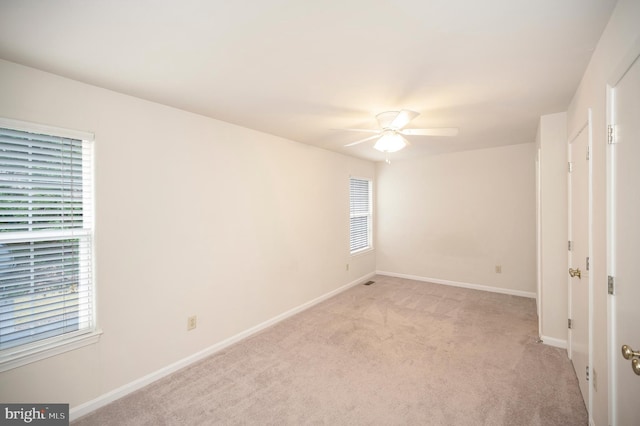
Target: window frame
(368,215)
(26,353)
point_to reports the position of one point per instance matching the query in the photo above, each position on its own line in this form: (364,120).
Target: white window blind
(46,231)
(360,214)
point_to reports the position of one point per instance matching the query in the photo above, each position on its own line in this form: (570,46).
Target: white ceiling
(299,69)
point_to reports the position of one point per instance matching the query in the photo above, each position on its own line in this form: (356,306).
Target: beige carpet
(398,352)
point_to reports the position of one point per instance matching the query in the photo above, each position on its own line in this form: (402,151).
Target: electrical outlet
(498,269)
(347,268)
(192,322)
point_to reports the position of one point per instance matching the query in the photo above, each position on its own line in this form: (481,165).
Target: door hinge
(587,373)
(569,323)
(587,265)
(570,245)
(610,285)
(610,134)
(570,166)
(588,153)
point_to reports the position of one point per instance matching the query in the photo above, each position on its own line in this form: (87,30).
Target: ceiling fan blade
(443,131)
(362,140)
(361,130)
(403,118)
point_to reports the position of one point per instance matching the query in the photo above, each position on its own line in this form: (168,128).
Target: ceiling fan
(391,133)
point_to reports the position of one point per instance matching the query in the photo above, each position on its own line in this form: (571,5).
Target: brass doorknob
(634,356)
(575,273)
(629,353)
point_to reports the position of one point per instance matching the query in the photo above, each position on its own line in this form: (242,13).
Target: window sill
(36,353)
(362,251)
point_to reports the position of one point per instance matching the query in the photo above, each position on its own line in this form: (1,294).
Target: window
(360,214)
(46,233)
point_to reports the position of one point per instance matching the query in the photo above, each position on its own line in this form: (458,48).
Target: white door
(625,245)
(578,273)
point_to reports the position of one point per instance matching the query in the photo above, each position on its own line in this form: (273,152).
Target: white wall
(194,217)
(552,142)
(621,33)
(454,217)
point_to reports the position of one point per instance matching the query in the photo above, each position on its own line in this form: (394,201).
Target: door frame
(538,242)
(586,126)
(616,76)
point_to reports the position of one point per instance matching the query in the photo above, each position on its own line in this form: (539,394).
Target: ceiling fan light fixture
(390,141)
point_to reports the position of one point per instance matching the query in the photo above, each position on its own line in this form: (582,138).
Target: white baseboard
(557,343)
(460,284)
(101,401)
